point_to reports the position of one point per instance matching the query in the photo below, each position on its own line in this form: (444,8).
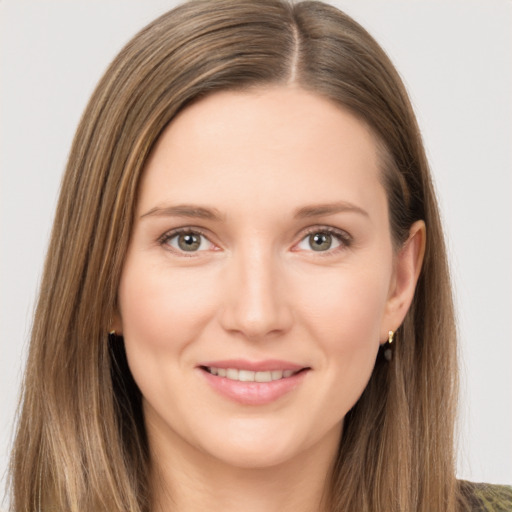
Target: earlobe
(409,260)
(116,325)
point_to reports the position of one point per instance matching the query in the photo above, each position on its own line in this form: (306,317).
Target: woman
(248,212)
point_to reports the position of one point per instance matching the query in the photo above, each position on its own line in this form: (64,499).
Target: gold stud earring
(388,352)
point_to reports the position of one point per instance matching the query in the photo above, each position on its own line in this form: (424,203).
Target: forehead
(279,144)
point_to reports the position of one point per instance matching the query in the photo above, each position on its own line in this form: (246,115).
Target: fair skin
(261,278)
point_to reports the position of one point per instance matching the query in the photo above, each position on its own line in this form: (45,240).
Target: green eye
(323,240)
(320,241)
(188,241)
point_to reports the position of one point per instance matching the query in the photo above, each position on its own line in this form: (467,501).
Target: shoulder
(487,497)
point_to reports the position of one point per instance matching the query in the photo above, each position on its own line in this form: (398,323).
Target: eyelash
(164,239)
(341,236)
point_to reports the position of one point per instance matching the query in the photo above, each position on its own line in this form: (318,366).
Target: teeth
(263,376)
(245,376)
(232,374)
(250,376)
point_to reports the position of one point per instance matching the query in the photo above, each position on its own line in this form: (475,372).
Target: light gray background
(455,57)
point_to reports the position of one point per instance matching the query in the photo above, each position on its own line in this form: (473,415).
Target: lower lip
(254,393)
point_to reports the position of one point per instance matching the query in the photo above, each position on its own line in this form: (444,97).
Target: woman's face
(260,277)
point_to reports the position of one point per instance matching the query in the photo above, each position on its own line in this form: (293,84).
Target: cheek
(158,305)
(345,308)
(344,314)
(163,312)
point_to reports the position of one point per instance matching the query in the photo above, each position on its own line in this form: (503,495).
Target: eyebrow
(185,210)
(318,210)
(201,212)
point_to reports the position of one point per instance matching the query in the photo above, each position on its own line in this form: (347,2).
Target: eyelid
(163,239)
(341,235)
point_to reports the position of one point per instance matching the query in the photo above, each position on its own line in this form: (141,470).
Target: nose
(256,301)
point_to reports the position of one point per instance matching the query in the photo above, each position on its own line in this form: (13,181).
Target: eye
(323,240)
(187,241)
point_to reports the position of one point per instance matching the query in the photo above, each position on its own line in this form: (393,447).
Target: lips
(253,383)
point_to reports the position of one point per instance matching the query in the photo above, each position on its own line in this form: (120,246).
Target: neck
(186,479)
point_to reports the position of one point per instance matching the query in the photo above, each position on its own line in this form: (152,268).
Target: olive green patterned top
(487,497)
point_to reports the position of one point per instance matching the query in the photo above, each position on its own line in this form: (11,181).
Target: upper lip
(255,366)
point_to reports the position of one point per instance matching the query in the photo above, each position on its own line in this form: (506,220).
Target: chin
(254,455)
(254,444)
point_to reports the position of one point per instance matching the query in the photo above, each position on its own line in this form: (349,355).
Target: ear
(407,268)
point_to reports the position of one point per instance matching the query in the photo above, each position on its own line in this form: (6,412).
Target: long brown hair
(81,442)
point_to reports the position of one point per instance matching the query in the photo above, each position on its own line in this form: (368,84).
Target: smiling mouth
(251,376)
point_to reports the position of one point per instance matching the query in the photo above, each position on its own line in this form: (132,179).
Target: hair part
(81,442)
